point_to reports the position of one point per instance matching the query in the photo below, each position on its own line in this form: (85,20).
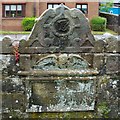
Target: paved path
(15,37)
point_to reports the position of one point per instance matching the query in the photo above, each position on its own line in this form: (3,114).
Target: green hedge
(28,23)
(98,24)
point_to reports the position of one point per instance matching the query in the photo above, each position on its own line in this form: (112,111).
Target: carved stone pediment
(61,29)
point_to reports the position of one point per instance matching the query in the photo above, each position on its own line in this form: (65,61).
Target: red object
(17,57)
(16,53)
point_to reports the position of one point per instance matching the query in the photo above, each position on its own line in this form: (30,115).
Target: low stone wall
(112,21)
(105,58)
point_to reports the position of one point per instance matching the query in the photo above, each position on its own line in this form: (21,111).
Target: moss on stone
(103,109)
(104,79)
(65,115)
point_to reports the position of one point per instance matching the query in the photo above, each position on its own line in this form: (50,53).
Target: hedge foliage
(98,24)
(28,23)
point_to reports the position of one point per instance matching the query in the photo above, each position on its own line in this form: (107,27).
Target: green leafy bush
(28,23)
(98,24)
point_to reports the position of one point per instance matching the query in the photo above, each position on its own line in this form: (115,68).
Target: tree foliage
(105,7)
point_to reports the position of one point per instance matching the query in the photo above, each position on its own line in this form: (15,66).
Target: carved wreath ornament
(64,61)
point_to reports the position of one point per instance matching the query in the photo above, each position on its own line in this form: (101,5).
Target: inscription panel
(61,83)
(62,95)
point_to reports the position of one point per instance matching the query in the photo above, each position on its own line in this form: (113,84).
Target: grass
(14,32)
(28,32)
(102,32)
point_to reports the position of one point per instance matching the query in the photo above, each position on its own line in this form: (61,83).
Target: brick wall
(10,24)
(0,16)
(93,9)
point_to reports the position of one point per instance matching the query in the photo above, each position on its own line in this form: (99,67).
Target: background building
(13,11)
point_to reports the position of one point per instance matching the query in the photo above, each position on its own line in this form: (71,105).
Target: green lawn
(101,33)
(14,32)
(28,32)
